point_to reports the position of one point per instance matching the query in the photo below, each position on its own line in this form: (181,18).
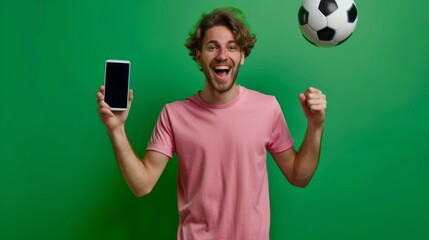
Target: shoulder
(263,103)
(258,97)
(180,106)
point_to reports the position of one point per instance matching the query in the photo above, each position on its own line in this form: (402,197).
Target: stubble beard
(222,89)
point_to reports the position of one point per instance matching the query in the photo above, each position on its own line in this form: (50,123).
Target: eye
(211,48)
(232,48)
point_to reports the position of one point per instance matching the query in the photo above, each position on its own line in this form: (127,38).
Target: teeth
(221,68)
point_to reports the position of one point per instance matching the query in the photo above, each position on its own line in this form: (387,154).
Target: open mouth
(221,71)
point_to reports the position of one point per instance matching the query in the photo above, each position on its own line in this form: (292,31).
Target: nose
(222,55)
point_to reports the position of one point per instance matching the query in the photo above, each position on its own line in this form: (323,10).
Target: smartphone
(117,84)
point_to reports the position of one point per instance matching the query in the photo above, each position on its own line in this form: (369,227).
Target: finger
(105,113)
(103,104)
(313,90)
(302,97)
(302,101)
(131,95)
(316,101)
(100,96)
(315,95)
(102,88)
(318,108)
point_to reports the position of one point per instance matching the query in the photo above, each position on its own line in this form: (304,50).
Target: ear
(198,56)
(242,58)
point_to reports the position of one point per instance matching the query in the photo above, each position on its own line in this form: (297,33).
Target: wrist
(316,127)
(116,132)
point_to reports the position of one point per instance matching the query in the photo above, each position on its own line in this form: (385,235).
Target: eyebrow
(216,42)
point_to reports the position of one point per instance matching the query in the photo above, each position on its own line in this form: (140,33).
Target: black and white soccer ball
(327,23)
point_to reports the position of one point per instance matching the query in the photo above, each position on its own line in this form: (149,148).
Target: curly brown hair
(233,19)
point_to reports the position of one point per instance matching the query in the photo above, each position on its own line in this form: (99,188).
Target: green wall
(59,179)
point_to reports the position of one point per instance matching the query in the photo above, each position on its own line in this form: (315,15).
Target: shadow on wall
(115,213)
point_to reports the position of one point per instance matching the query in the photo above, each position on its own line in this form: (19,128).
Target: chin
(218,84)
(223,87)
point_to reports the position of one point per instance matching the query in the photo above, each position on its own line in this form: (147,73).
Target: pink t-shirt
(221,149)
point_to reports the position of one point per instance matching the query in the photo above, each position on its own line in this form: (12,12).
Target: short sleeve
(162,138)
(280,139)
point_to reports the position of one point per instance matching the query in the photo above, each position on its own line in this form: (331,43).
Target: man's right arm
(140,175)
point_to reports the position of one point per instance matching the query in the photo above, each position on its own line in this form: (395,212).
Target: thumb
(302,99)
(304,105)
(131,95)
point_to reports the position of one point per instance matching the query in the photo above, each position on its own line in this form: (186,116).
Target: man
(221,136)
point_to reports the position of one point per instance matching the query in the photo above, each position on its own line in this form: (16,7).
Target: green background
(59,179)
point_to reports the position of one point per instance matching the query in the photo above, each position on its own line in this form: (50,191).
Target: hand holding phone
(111,119)
(117,84)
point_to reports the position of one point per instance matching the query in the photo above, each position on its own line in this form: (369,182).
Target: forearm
(307,158)
(131,166)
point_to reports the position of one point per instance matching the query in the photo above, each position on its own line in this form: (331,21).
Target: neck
(212,96)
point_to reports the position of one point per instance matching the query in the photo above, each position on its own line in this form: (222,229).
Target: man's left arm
(299,166)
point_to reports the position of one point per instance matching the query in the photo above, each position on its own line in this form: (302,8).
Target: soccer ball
(327,23)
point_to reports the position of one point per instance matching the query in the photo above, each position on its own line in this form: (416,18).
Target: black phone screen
(116,84)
